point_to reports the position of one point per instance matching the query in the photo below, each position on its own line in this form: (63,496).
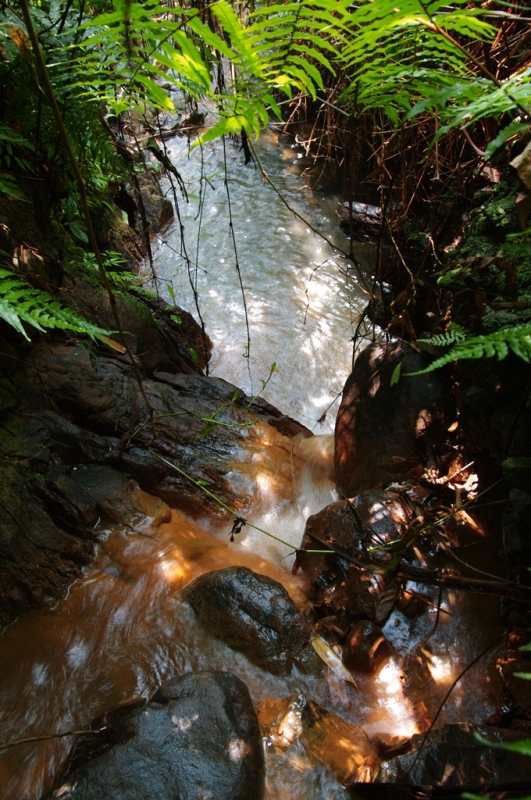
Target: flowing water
(122,630)
(301,302)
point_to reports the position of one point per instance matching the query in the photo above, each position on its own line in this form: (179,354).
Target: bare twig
(44,738)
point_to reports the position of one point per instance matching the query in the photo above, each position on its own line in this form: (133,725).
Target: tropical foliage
(401,62)
(401,59)
(21,304)
(498,344)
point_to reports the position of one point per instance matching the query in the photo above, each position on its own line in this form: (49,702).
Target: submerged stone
(326,738)
(38,557)
(420,688)
(366,648)
(350,528)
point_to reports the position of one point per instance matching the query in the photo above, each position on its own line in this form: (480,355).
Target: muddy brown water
(122,630)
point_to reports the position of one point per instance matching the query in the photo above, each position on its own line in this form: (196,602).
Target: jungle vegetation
(430,95)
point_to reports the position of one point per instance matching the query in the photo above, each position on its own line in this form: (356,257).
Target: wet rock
(326,738)
(158,209)
(350,528)
(452,756)
(366,648)
(217,389)
(38,559)
(357,592)
(24,440)
(66,499)
(251,613)
(69,443)
(361,221)
(198,739)
(383,432)
(121,499)
(101,395)
(161,337)
(367,520)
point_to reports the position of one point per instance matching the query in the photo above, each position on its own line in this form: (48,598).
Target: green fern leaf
(499,343)
(10,316)
(455,333)
(502,349)
(522,348)
(19,304)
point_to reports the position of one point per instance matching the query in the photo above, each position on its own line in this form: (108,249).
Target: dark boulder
(251,613)
(199,738)
(101,395)
(157,208)
(383,432)
(361,221)
(369,519)
(350,528)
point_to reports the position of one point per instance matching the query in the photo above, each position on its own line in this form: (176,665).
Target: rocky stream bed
(191,665)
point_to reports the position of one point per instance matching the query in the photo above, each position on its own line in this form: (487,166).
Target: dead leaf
(115,345)
(385,605)
(22,43)
(492,173)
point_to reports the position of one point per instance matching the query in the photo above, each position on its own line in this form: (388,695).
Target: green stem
(226,507)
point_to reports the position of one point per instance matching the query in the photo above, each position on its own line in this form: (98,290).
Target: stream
(302,301)
(122,629)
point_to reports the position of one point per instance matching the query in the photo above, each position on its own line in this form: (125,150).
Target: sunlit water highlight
(303,303)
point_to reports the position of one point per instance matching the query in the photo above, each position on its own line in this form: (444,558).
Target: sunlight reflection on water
(302,309)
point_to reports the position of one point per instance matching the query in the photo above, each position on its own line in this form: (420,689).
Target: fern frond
(499,344)
(19,303)
(455,333)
